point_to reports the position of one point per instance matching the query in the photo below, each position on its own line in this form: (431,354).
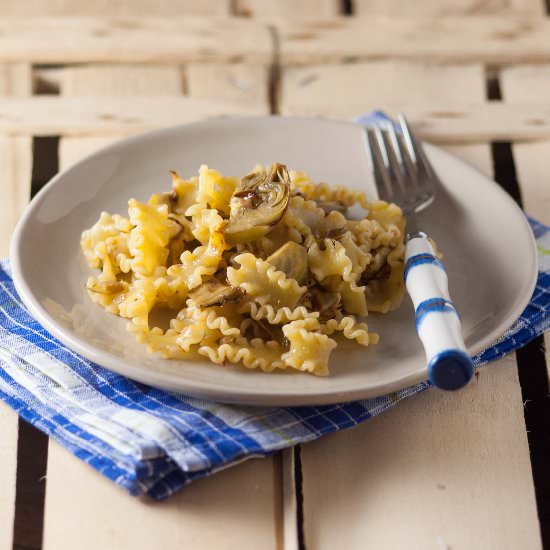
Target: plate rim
(200,389)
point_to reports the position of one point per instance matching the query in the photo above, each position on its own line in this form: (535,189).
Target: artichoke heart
(258,203)
(291,259)
(214,293)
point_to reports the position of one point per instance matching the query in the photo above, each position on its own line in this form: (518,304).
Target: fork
(404,175)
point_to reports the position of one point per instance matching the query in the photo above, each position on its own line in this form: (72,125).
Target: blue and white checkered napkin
(155,442)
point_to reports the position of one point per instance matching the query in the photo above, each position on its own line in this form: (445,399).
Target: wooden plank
(15,80)
(525,84)
(290,505)
(134,39)
(168,8)
(445,8)
(202,516)
(233,509)
(15,183)
(438,471)
(114,115)
(288,8)
(246,83)
(495,40)
(429,473)
(435,103)
(8,474)
(449,122)
(121,80)
(340,89)
(522,84)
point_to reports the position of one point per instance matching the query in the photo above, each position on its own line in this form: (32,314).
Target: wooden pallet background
(439,471)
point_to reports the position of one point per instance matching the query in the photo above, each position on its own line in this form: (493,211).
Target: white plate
(489,253)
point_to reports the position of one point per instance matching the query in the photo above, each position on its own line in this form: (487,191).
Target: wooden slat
(115,8)
(340,89)
(8,471)
(496,40)
(114,115)
(246,83)
(134,39)
(239,508)
(233,509)
(522,84)
(288,8)
(15,183)
(525,84)
(430,473)
(450,122)
(438,471)
(435,103)
(15,80)
(444,8)
(122,80)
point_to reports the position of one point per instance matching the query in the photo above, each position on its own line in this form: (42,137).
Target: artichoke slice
(291,259)
(214,293)
(258,203)
(106,287)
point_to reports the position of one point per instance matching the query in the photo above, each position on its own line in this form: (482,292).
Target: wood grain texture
(236,82)
(441,470)
(15,185)
(163,40)
(115,7)
(437,471)
(288,8)
(495,40)
(239,508)
(444,8)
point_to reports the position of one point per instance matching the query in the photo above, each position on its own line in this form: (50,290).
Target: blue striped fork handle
(437,320)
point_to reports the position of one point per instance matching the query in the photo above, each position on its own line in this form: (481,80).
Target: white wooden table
(463,471)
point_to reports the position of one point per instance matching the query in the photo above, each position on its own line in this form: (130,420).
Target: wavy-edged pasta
(268,271)
(350,329)
(261,280)
(280,316)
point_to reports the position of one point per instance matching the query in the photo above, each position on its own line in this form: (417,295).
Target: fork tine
(379,167)
(397,168)
(414,148)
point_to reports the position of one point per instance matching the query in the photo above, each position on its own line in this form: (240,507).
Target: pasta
(267,271)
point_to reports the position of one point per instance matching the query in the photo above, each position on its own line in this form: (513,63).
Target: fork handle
(437,321)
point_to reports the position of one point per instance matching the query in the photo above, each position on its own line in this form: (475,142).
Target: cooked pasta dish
(268,271)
